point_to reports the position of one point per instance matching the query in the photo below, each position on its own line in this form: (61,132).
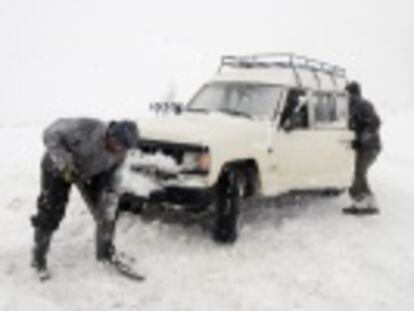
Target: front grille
(174,150)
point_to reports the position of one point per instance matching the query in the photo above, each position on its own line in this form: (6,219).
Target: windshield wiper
(236,113)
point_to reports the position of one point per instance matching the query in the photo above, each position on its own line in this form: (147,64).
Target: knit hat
(353,88)
(125,132)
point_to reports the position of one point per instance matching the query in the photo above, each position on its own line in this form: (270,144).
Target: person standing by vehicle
(365,122)
(86,153)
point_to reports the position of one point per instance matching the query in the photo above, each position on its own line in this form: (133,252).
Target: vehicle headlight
(196,161)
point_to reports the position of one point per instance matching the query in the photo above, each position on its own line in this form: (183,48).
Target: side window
(330,110)
(342,109)
(325,108)
(300,118)
(295,113)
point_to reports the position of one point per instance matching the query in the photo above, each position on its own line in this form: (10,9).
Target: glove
(69,173)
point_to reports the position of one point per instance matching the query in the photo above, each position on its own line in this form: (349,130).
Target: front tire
(230,190)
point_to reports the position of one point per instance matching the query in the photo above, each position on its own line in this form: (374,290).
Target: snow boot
(121,267)
(122,264)
(364,207)
(104,236)
(39,252)
(105,251)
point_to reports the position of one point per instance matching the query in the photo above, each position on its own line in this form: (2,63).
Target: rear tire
(230,191)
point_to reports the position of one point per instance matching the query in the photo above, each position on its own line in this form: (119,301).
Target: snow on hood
(193,128)
(162,162)
(141,183)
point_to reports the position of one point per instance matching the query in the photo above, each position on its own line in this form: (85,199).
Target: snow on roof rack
(283,60)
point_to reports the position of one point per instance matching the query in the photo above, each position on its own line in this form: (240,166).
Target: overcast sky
(109,58)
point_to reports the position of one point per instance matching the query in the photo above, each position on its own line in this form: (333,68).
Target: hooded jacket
(80,142)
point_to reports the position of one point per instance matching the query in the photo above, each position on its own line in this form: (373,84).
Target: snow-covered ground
(292,254)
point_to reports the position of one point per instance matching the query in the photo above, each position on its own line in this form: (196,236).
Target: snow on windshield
(257,100)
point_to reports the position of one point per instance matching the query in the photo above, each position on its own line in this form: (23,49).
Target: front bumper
(179,189)
(183,196)
(160,165)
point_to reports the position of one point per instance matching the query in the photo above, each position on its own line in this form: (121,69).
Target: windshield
(244,99)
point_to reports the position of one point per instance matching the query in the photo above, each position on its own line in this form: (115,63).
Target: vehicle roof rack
(283,60)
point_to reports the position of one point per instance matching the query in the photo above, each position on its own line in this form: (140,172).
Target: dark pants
(360,187)
(51,207)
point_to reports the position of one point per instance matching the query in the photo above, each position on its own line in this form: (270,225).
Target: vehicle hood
(200,128)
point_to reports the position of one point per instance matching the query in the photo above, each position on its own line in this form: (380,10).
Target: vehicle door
(297,154)
(332,139)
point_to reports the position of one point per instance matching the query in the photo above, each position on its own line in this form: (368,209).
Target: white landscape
(292,255)
(108,59)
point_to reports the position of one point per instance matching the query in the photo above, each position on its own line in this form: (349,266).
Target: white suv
(263,125)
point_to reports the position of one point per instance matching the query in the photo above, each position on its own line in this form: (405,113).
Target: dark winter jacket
(366,123)
(80,143)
